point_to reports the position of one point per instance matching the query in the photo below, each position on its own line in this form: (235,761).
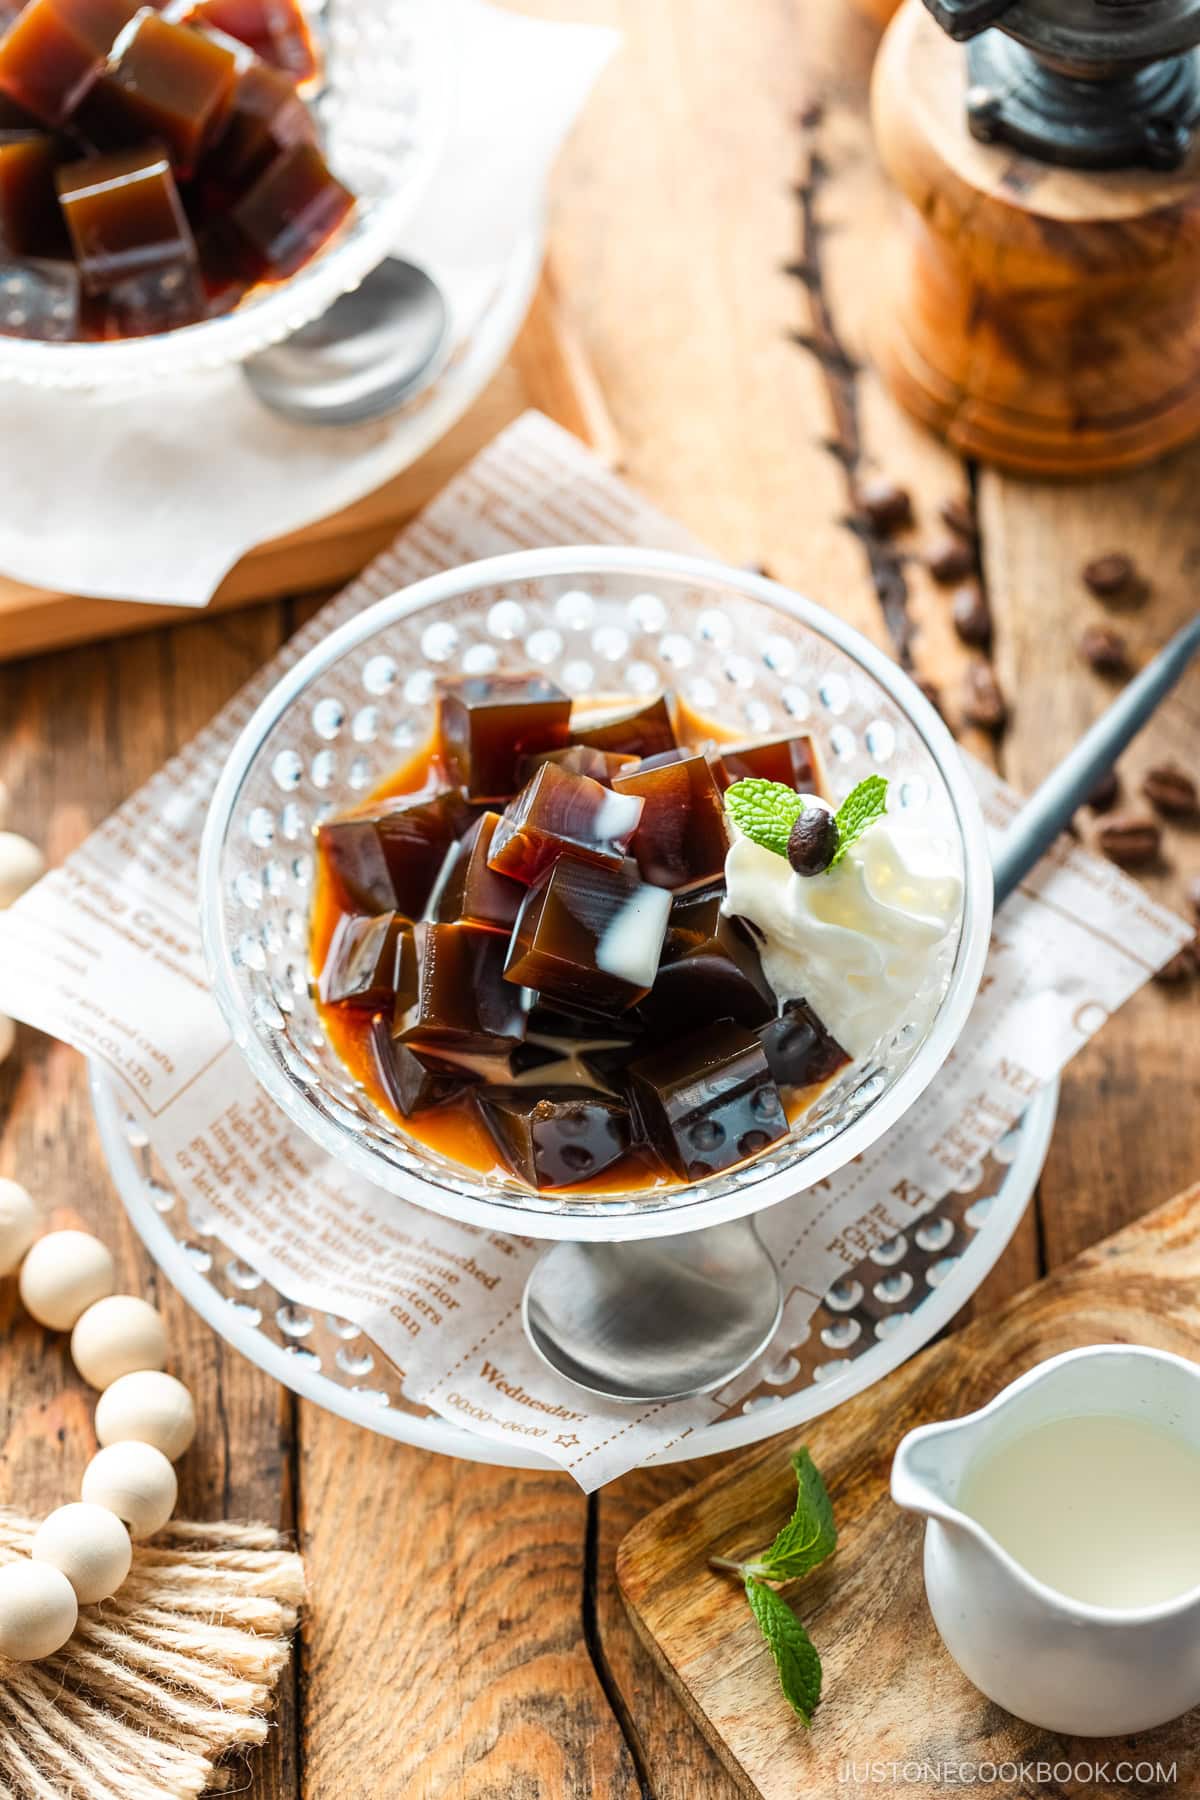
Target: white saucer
(870,1321)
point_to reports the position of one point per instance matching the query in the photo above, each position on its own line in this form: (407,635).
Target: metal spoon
(374,349)
(672,1317)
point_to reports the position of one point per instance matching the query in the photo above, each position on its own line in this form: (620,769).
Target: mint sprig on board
(809,1536)
(766,811)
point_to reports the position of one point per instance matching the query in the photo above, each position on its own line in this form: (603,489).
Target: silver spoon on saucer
(375,349)
(663,1319)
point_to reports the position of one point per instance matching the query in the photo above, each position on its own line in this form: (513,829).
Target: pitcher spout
(929,1466)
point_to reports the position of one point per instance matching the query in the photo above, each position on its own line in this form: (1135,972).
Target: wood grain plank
(80,731)
(891,1691)
(444,1651)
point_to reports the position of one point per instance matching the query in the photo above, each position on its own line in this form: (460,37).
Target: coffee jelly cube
(557,812)
(14,117)
(799,1049)
(488,723)
(31,223)
(40,299)
(54,50)
(589,936)
(293,208)
(681,841)
(555,1139)
(472,891)
(579,759)
(163,82)
(157,300)
(124,216)
(465,1016)
(793,761)
(708,1101)
(710,969)
(371,964)
(644,732)
(574,1050)
(405,1081)
(276,30)
(265,117)
(387,859)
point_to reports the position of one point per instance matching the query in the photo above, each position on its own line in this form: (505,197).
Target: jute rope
(160,1682)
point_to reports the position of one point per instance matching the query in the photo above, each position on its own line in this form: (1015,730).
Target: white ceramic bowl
(384,107)
(739,649)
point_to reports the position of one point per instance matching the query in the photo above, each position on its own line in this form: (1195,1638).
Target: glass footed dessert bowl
(381,101)
(454,712)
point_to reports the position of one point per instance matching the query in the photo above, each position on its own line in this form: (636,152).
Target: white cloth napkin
(156,496)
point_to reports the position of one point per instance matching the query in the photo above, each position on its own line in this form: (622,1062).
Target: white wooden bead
(87,1544)
(38,1610)
(19,1221)
(116,1336)
(21,864)
(63,1275)
(8,1037)
(149,1408)
(136,1482)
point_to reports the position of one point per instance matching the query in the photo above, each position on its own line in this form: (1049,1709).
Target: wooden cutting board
(547,369)
(892,1694)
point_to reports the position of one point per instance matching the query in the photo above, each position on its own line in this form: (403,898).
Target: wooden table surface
(718,225)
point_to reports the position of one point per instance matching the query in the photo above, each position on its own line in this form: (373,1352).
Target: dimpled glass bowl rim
(596,1222)
(276,311)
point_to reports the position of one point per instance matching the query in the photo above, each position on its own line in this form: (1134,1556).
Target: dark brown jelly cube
(265,117)
(790,760)
(579,759)
(799,1050)
(557,812)
(53,51)
(14,117)
(644,732)
(158,300)
(465,1015)
(293,208)
(710,969)
(681,841)
(471,890)
(403,1077)
(40,299)
(164,82)
(276,30)
(387,859)
(31,223)
(589,936)
(488,723)
(124,216)
(557,1138)
(574,1050)
(708,1101)
(371,963)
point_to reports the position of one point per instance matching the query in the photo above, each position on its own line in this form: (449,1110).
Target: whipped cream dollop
(866,942)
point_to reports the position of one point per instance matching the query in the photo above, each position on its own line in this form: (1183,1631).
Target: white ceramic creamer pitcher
(1081,1669)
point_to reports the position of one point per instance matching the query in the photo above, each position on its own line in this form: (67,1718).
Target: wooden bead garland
(82,1552)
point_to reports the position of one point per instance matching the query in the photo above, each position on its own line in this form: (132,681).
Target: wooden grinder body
(1041,318)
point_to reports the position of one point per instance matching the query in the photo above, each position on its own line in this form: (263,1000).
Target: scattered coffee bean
(1182,966)
(883,504)
(813,841)
(931,691)
(959,514)
(951,560)
(1105,649)
(983,703)
(1103,796)
(972,615)
(1110,577)
(1171,790)
(1130,840)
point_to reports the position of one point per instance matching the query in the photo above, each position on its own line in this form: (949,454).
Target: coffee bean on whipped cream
(1130,839)
(813,841)
(1171,790)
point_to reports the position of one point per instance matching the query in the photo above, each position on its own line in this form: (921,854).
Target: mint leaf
(764,811)
(796,1659)
(861,807)
(810,1535)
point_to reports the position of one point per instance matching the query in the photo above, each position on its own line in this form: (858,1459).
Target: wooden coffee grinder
(1045,309)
